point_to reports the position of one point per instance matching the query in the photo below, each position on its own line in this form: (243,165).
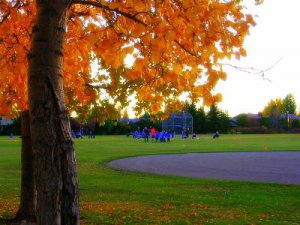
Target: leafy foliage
(242,120)
(289,104)
(212,121)
(274,106)
(176,48)
(280,106)
(277,108)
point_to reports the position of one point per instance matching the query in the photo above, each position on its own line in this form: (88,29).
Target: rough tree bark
(55,173)
(28,198)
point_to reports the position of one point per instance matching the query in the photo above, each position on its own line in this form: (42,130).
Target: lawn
(115,197)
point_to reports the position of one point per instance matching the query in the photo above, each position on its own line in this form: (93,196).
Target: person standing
(146,134)
(153,132)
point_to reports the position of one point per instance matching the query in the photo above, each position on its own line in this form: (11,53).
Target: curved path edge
(273,167)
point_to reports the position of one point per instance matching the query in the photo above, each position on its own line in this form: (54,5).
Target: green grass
(117,197)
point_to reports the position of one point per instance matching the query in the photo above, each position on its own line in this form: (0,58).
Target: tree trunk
(55,173)
(28,198)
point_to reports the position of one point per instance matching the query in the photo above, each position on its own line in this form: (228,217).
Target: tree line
(272,119)
(203,122)
(278,116)
(209,122)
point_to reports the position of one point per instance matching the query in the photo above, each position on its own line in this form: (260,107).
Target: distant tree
(277,107)
(16,126)
(264,121)
(273,105)
(98,129)
(289,104)
(216,120)
(242,120)
(201,121)
(295,124)
(191,108)
(224,122)
(109,126)
(145,121)
(274,120)
(146,117)
(213,119)
(271,113)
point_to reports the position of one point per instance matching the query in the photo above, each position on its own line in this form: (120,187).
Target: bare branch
(100,5)
(177,42)
(96,86)
(252,70)
(185,49)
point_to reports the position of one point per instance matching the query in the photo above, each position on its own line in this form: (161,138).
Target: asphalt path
(274,167)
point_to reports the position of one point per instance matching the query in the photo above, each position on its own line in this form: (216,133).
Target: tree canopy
(274,106)
(280,106)
(176,48)
(289,104)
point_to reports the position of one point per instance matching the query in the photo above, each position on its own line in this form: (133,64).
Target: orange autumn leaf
(177,69)
(155,108)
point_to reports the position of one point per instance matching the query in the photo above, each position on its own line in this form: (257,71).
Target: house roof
(249,115)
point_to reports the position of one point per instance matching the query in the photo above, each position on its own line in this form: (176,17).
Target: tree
(199,117)
(273,105)
(213,119)
(46,49)
(242,120)
(201,120)
(224,121)
(272,112)
(28,196)
(191,108)
(295,124)
(277,107)
(289,104)
(217,120)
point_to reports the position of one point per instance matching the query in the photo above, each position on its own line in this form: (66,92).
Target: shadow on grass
(4,221)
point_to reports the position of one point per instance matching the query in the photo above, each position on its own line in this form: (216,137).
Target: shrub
(254,130)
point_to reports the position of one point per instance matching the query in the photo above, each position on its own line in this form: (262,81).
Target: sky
(275,38)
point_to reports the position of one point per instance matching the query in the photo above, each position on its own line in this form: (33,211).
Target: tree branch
(96,86)
(6,15)
(185,49)
(105,7)
(252,70)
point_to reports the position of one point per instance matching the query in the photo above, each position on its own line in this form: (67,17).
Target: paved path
(277,167)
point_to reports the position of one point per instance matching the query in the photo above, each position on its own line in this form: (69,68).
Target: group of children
(164,136)
(156,136)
